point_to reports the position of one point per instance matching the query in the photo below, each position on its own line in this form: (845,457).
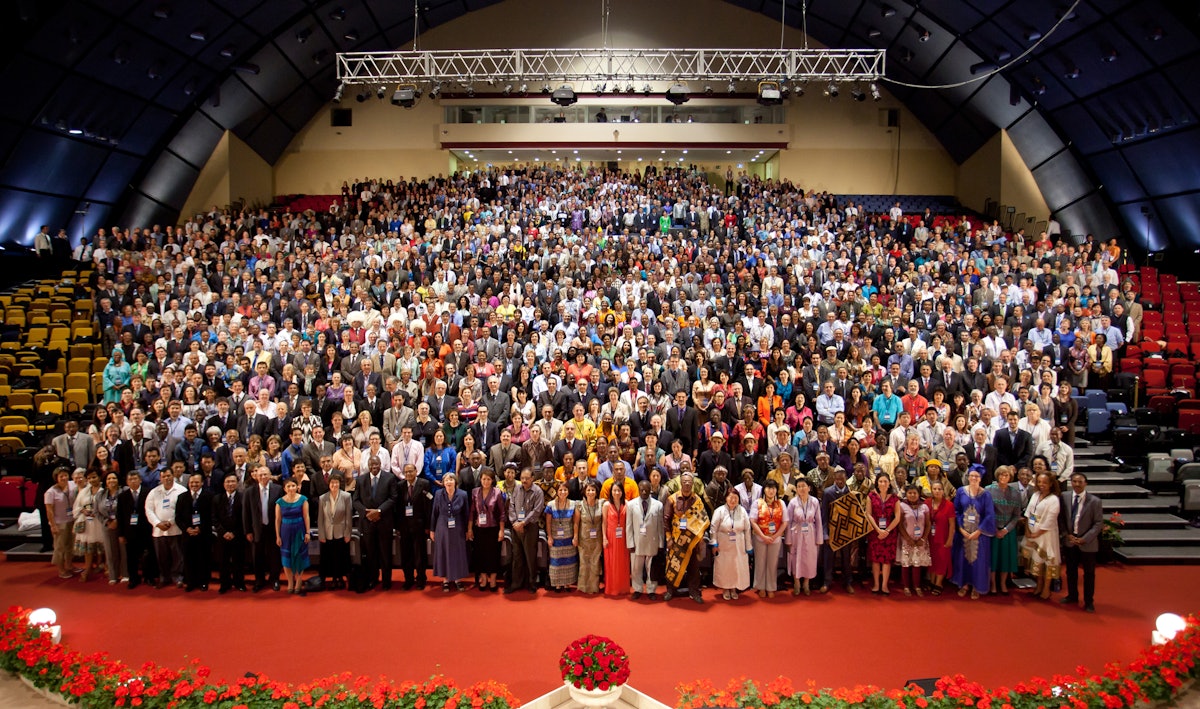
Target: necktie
(374,479)
(1075,514)
(71,450)
(265,492)
(979,454)
(231,497)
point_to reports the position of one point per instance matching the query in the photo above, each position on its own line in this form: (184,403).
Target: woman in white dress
(731,541)
(804,535)
(1041,550)
(89,526)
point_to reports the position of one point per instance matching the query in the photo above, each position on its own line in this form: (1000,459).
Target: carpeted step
(1184,536)
(1160,554)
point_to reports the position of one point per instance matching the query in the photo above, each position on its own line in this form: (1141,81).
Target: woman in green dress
(291,534)
(1007,500)
(591,539)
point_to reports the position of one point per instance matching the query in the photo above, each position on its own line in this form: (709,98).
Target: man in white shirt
(160,511)
(407,452)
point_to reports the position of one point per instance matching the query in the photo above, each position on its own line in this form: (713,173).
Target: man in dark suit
(375,502)
(258,520)
(498,402)
(312,453)
(415,503)
(978,452)
(569,443)
(251,423)
(228,529)
(485,431)
(1013,446)
(440,402)
(375,403)
(193,514)
(1081,521)
(223,419)
(682,422)
(556,398)
(133,529)
(505,452)
(947,379)
(367,377)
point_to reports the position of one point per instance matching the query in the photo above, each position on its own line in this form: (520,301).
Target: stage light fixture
(832,90)
(732,88)
(1072,73)
(381,92)
(198,35)
(677,94)
(769,93)
(507,89)
(405,96)
(337,93)
(338,14)
(564,96)
(362,96)
(873,32)
(303,34)
(906,55)
(523,89)
(437,89)
(645,89)
(922,33)
(857,94)
(875,95)
(708,90)
(887,11)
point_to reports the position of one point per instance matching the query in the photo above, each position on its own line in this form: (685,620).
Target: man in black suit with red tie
(228,531)
(980,452)
(1013,446)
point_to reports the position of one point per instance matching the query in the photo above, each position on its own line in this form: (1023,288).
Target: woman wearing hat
(934,473)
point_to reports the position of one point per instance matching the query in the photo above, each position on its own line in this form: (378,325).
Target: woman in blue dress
(448,530)
(976,519)
(291,534)
(439,459)
(116,376)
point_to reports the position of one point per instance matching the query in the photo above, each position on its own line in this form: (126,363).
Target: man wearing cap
(686,521)
(751,458)
(713,457)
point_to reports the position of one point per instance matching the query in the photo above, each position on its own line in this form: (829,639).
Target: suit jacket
(377,410)
(498,406)
(382,499)
(252,519)
(486,435)
(85,448)
(229,423)
(126,453)
(127,505)
(684,428)
(1091,520)
(257,424)
(1009,454)
(438,410)
(577,448)
(649,543)
(335,517)
(498,458)
(421,499)
(989,459)
(184,507)
(351,367)
(224,520)
(394,420)
(361,382)
(311,455)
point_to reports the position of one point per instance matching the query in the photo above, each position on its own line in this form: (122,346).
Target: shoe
(533,590)
(203,587)
(823,590)
(725,595)
(509,589)
(807,592)
(1068,601)
(180,584)
(696,597)
(408,585)
(421,585)
(241,588)
(133,585)
(850,590)
(1089,608)
(732,594)
(275,586)
(124,579)
(458,585)
(668,596)
(385,586)
(635,595)
(66,576)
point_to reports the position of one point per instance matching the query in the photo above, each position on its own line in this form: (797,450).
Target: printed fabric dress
(1007,503)
(882,551)
(294,549)
(591,541)
(564,557)
(972,559)
(915,552)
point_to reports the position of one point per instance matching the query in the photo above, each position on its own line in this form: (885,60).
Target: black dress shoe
(1089,608)
(635,595)
(668,596)
(275,586)
(1068,601)
(696,597)
(408,585)
(242,588)
(421,585)
(386,586)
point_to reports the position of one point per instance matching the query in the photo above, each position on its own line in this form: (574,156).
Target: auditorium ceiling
(113,106)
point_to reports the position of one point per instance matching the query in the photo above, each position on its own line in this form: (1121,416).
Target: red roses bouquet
(594,662)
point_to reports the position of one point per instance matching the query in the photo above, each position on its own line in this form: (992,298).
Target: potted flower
(1110,537)
(594,668)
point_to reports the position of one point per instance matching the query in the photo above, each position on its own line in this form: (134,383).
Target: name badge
(166,503)
(917,533)
(451,523)
(683,522)
(1054,465)
(620,532)
(561,533)
(878,470)
(883,521)
(195,519)
(408,510)
(133,519)
(733,537)
(520,516)
(482,520)
(591,534)
(933,528)
(971,516)
(1033,519)
(642,530)
(771,528)
(805,528)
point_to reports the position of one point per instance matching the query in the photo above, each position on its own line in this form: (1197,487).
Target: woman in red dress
(616,553)
(941,536)
(881,542)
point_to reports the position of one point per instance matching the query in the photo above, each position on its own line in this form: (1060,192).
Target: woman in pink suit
(804,536)
(616,553)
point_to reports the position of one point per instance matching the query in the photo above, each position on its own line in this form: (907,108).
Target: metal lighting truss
(468,66)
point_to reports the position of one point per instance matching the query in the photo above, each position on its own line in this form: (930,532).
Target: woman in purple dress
(975,516)
(448,530)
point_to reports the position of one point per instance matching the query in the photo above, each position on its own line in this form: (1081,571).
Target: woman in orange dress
(768,403)
(616,553)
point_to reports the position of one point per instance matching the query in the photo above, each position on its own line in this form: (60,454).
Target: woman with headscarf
(975,518)
(116,376)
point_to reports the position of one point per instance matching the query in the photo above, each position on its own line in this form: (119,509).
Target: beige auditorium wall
(837,145)
(979,176)
(996,172)
(212,186)
(233,173)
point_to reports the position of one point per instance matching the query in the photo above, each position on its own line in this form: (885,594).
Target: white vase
(594,697)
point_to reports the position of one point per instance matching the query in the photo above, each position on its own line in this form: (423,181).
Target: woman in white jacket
(731,542)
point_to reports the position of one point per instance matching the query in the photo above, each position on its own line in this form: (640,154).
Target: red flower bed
(594,662)
(1157,676)
(97,681)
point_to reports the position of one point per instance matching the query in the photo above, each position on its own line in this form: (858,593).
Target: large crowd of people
(591,380)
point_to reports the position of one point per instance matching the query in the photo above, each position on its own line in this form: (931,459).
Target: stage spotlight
(437,89)
(875,95)
(564,96)
(922,33)
(337,94)
(731,88)
(645,89)
(677,94)
(381,92)
(405,96)
(832,90)
(857,94)
(708,89)
(362,96)
(769,93)
(1072,73)
(523,89)
(887,11)
(545,88)
(507,89)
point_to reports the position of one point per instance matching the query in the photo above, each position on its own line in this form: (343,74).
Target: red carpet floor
(836,640)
